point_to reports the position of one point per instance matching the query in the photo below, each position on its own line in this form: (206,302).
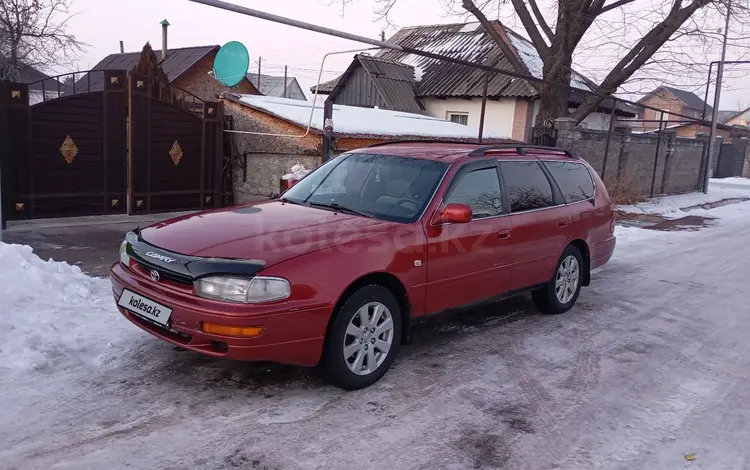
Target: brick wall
(198,82)
(677,167)
(264,158)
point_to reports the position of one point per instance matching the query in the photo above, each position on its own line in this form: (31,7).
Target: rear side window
(528,186)
(573,179)
(479,189)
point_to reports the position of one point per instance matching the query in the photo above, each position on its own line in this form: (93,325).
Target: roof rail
(521,149)
(424,141)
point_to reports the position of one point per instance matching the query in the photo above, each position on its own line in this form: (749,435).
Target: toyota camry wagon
(334,272)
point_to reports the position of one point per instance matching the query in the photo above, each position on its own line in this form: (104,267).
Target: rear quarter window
(574,180)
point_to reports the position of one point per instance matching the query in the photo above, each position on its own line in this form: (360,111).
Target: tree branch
(638,55)
(612,6)
(528,23)
(509,54)
(542,22)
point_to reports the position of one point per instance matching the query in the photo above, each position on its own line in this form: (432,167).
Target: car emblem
(155,276)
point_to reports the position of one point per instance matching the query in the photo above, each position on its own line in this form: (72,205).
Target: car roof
(451,152)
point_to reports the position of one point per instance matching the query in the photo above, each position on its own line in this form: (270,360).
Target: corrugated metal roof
(393,80)
(274,86)
(470,42)
(460,41)
(178,61)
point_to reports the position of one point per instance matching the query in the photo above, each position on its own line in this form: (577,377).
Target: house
(736,118)
(671,101)
(41,86)
(282,137)
(402,81)
(189,68)
(274,86)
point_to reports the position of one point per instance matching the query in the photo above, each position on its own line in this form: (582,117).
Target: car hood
(270,231)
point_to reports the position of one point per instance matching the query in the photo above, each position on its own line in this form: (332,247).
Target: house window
(459,118)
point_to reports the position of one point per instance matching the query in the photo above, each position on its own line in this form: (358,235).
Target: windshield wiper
(289,201)
(340,208)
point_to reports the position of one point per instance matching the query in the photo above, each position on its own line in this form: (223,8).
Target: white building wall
(498,114)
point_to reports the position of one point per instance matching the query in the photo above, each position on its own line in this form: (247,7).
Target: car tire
(561,293)
(348,348)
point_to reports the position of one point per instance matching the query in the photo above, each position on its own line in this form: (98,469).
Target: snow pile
(673,207)
(52,315)
(356,121)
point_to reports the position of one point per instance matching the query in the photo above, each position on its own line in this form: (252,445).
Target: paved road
(651,365)
(90,242)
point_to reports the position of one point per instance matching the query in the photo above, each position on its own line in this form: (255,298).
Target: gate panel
(172,152)
(65,154)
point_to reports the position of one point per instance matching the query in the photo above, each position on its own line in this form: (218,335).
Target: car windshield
(382,186)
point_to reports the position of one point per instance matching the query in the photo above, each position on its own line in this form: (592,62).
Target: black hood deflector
(186,268)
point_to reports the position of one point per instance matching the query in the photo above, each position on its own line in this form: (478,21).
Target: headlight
(124,258)
(256,290)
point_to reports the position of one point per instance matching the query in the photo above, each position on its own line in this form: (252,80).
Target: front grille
(166,274)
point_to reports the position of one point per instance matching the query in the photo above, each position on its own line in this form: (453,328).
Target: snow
(352,120)
(673,207)
(530,57)
(470,27)
(418,73)
(52,314)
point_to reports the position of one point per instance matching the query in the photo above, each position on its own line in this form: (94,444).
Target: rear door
(472,261)
(540,220)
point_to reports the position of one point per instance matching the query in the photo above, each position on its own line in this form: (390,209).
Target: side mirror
(454,214)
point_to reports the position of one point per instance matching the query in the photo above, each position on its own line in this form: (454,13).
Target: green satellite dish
(231,63)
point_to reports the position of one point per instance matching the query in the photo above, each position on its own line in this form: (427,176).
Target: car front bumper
(291,334)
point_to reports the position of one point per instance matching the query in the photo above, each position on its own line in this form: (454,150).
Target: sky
(101,24)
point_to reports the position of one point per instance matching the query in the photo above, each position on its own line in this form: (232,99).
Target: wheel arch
(390,282)
(583,247)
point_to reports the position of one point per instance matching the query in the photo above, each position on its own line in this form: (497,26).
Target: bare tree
(632,32)
(35,33)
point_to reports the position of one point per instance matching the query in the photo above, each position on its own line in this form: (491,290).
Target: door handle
(562,222)
(503,234)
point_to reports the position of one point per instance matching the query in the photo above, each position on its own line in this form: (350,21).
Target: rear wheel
(364,339)
(562,292)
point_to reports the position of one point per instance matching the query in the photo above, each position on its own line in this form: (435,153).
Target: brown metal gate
(175,149)
(64,156)
(121,148)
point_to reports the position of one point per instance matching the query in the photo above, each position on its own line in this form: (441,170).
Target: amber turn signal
(237,331)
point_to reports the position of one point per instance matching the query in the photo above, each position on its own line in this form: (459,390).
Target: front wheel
(561,293)
(364,339)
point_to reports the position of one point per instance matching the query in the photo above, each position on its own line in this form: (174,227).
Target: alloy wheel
(566,280)
(368,338)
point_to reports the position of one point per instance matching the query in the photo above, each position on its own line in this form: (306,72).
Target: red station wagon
(335,271)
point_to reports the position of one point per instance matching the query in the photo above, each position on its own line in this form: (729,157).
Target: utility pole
(260,59)
(717,97)
(285,75)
